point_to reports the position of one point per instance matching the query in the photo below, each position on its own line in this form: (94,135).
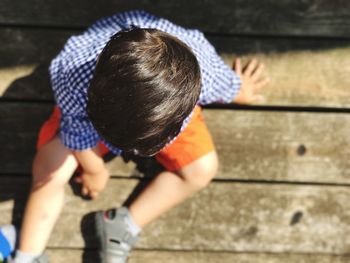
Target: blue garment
(72,70)
(5,247)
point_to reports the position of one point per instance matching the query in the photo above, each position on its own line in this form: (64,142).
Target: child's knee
(47,173)
(42,174)
(201,172)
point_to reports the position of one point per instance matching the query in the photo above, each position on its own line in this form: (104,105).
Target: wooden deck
(283,188)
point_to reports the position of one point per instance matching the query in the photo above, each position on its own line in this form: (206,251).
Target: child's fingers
(258,72)
(78,179)
(94,194)
(238,66)
(258,99)
(262,83)
(84,190)
(250,68)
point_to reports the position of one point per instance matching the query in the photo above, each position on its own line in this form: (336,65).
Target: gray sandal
(115,240)
(42,259)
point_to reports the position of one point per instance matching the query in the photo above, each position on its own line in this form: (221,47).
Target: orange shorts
(192,143)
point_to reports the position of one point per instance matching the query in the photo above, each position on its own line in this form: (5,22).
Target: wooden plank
(252,145)
(231,217)
(287,17)
(306,78)
(65,255)
(23,121)
(25,56)
(282,146)
(37,45)
(243,45)
(30,46)
(322,75)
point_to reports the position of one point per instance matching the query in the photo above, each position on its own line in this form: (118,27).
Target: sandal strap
(43,258)
(117,241)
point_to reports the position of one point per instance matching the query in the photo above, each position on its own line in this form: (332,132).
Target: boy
(132,82)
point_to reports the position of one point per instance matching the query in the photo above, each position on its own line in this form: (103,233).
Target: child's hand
(252,81)
(93,184)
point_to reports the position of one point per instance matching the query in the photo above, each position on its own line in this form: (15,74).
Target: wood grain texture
(269,17)
(227,217)
(299,78)
(286,146)
(21,45)
(23,121)
(306,78)
(63,256)
(252,145)
(25,56)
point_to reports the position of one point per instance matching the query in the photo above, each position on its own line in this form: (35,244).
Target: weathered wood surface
(272,220)
(252,145)
(306,78)
(299,78)
(282,146)
(232,217)
(269,17)
(23,121)
(36,45)
(137,256)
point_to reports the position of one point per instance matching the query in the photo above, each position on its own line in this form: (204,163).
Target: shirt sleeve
(76,131)
(225,84)
(220,83)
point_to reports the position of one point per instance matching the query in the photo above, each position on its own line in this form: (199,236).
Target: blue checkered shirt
(72,70)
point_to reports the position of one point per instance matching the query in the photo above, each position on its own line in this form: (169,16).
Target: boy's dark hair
(145,84)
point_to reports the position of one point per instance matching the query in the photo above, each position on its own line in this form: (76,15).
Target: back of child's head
(145,84)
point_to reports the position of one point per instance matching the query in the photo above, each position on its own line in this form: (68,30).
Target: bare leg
(52,167)
(169,189)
